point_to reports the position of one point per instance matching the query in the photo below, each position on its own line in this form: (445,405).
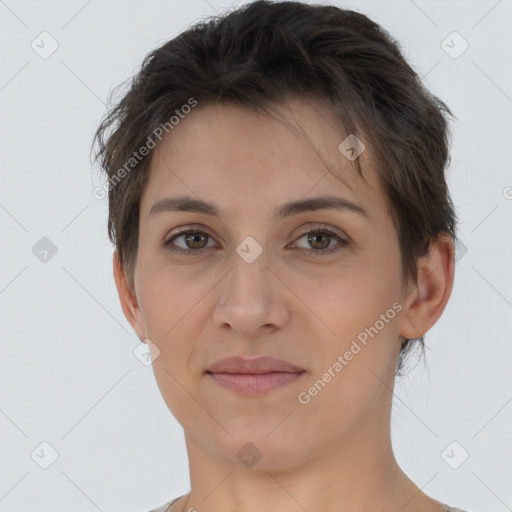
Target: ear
(127,298)
(426,301)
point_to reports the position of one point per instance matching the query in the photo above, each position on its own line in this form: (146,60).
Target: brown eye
(319,238)
(194,241)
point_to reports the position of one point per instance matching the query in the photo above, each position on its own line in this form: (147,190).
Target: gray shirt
(165,506)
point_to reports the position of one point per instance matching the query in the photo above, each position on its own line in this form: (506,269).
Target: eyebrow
(191,204)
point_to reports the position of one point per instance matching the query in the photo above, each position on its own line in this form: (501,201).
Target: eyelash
(341,242)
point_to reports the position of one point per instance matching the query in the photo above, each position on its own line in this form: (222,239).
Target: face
(319,289)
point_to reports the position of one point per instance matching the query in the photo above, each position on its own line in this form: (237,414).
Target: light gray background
(68,373)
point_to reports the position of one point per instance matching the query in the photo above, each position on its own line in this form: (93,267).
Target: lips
(253,376)
(259,365)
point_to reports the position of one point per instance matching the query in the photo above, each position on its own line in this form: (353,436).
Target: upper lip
(258,365)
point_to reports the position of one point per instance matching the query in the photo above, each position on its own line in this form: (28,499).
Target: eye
(195,242)
(319,239)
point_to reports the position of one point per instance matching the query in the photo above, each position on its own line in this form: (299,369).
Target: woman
(283,236)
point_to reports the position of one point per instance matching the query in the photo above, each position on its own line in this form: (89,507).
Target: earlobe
(128,300)
(427,301)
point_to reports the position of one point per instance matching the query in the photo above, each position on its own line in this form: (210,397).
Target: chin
(255,449)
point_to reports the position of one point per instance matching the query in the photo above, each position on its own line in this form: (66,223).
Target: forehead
(230,155)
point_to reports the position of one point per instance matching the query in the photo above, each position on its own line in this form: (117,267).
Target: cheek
(341,303)
(174,316)
(362,331)
(172,323)
(168,295)
(356,312)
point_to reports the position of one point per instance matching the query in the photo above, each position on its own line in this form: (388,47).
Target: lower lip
(255,383)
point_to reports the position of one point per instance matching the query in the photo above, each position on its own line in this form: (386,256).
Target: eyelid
(316,226)
(184,229)
(320,226)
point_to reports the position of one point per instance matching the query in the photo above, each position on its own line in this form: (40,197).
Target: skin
(333,453)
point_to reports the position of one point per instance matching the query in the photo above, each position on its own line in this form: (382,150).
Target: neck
(359,473)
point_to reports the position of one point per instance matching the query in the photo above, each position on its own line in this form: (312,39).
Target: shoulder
(165,506)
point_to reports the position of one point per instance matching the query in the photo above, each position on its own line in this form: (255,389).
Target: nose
(252,299)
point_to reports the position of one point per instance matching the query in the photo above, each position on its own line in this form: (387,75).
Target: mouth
(255,383)
(254,376)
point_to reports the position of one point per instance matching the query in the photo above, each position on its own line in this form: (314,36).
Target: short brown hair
(263,54)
